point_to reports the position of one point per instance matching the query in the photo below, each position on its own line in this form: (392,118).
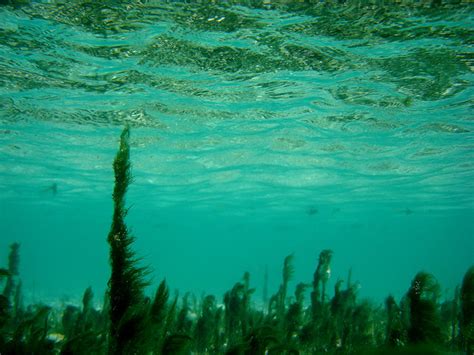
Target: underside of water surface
(296,176)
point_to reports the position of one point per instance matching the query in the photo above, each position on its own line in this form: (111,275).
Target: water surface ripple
(278,105)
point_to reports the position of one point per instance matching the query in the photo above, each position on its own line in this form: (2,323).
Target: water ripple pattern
(278,105)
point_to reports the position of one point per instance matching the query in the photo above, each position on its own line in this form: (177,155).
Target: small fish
(53,188)
(408,211)
(312,210)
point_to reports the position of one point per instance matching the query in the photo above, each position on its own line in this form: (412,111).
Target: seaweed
(262,340)
(449,312)
(184,323)
(157,317)
(316,332)
(341,311)
(295,315)
(394,333)
(127,280)
(11,304)
(87,300)
(30,336)
(233,301)
(69,320)
(321,276)
(205,325)
(419,323)
(425,322)
(18,300)
(84,343)
(13,272)
(176,344)
(237,313)
(265,288)
(4,317)
(84,330)
(287,275)
(467,312)
(4,272)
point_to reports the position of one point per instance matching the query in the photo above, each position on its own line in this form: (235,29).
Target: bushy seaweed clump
(425,322)
(22,331)
(130,322)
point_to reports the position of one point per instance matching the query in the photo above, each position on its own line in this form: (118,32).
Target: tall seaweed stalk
(127,281)
(287,274)
(321,277)
(13,272)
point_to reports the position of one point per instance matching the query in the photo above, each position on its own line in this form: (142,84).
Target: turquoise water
(256,132)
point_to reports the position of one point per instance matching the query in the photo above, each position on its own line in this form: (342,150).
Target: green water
(257,131)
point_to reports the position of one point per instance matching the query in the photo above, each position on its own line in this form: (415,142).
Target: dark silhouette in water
(53,188)
(129,322)
(312,210)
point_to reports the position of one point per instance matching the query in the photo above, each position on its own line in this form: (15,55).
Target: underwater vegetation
(132,320)
(126,282)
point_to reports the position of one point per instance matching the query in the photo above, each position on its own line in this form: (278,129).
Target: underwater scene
(236,177)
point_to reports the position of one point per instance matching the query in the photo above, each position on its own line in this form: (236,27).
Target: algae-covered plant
(127,280)
(423,297)
(292,321)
